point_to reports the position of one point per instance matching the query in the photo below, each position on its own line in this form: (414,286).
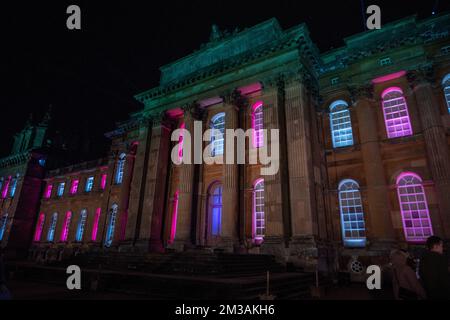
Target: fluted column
(230,195)
(436,143)
(155,190)
(380,226)
(186,185)
(276,187)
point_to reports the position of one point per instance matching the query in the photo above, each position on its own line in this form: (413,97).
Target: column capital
(193,109)
(234,97)
(358,92)
(421,75)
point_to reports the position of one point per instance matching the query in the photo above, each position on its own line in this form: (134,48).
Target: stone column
(436,142)
(230,196)
(276,187)
(186,187)
(150,235)
(380,229)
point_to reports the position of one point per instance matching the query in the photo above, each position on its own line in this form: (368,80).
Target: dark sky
(90,76)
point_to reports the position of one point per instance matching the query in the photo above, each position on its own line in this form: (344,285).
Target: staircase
(180,275)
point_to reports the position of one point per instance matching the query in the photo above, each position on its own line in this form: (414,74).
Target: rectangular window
(74,187)
(95,225)
(61,187)
(48,191)
(65,231)
(334,81)
(89,184)
(385,61)
(103,181)
(6,188)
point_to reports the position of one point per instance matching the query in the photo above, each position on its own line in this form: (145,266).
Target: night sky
(90,76)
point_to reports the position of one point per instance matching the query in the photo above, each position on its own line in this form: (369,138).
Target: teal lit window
(61,187)
(3,224)
(111,225)
(120,168)
(341,124)
(81,225)
(12,191)
(446,86)
(89,184)
(51,229)
(352,214)
(217,134)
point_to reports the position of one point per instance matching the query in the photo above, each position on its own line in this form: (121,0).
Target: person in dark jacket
(434,271)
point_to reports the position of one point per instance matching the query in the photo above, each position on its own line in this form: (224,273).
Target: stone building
(21,176)
(364,161)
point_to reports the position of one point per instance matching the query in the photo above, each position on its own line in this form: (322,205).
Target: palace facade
(364,155)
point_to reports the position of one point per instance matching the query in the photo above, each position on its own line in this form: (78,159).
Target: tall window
(258,125)
(81,225)
(98,212)
(74,186)
(51,229)
(180,141)
(103,181)
(111,225)
(48,191)
(39,227)
(215,209)
(258,210)
(414,208)
(12,191)
(89,184)
(173,229)
(341,124)
(6,188)
(217,134)
(396,116)
(446,86)
(61,187)
(3,224)
(66,226)
(352,214)
(120,168)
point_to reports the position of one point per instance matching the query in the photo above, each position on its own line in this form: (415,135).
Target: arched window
(12,191)
(258,210)
(215,209)
(39,227)
(3,224)
(352,214)
(396,116)
(414,208)
(51,229)
(217,134)
(120,168)
(341,124)
(111,225)
(258,125)
(446,86)
(81,225)
(66,226)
